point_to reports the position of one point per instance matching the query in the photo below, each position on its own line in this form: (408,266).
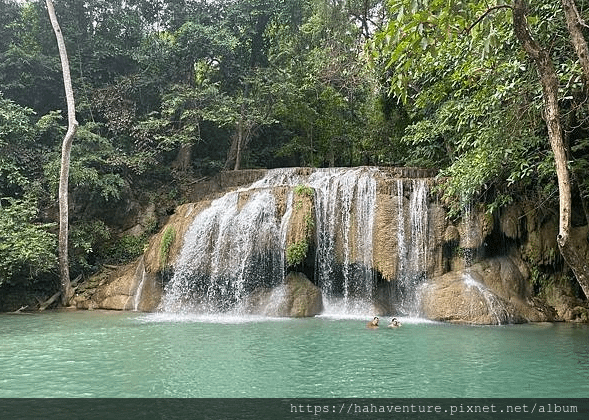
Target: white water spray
(495,306)
(412,247)
(228,251)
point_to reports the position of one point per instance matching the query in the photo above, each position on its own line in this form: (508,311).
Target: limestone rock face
(456,297)
(296,298)
(180,222)
(127,288)
(477,266)
(494,291)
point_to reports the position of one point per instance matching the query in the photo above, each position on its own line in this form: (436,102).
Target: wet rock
(492,292)
(297,298)
(126,288)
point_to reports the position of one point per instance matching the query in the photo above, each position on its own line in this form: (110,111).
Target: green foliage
(167,240)
(327,102)
(86,241)
(473,96)
(125,249)
(309,223)
(540,280)
(297,252)
(16,135)
(580,167)
(27,249)
(291,74)
(92,166)
(121,250)
(304,190)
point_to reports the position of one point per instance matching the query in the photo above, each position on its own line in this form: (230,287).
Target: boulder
(297,297)
(492,292)
(126,288)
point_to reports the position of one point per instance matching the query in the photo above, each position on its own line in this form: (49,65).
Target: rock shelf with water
(370,241)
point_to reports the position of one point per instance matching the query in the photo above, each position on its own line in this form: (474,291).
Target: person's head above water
(373,323)
(394,323)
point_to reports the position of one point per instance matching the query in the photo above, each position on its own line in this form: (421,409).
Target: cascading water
(229,250)
(139,290)
(237,245)
(412,247)
(344,208)
(494,306)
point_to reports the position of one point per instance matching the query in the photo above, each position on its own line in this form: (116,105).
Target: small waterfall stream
(237,244)
(412,246)
(137,296)
(494,306)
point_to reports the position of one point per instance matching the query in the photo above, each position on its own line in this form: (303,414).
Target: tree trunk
(239,139)
(549,80)
(575,28)
(574,25)
(66,288)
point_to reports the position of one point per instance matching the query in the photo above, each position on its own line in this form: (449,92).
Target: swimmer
(394,323)
(373,324)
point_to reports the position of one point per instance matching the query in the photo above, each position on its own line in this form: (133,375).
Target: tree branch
(575,25)
(484,15)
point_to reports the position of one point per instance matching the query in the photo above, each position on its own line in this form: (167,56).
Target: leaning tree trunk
(242,135)
(575,258)
(66,288)
(575,26)
(241,138)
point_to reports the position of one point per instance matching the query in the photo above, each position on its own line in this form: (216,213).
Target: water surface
(113,354)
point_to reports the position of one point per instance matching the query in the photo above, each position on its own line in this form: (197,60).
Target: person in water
(373,324)
(394,323)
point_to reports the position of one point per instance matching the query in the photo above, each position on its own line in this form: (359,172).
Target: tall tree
(549,82)
(66,289)
(438,29)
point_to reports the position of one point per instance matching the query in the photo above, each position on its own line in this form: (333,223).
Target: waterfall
(230,249)
(237,245)
(496,308)
(344,212)
(412,247)
(137,297)
(373,248)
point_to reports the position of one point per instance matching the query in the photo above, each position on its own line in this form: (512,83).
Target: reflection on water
(106,354)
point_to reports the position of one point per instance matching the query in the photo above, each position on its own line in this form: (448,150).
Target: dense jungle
(492,95)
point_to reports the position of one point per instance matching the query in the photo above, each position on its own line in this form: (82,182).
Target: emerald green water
(110,354)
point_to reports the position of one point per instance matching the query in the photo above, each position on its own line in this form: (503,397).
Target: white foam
(172,317)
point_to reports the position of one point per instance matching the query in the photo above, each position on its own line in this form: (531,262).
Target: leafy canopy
(473,95)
